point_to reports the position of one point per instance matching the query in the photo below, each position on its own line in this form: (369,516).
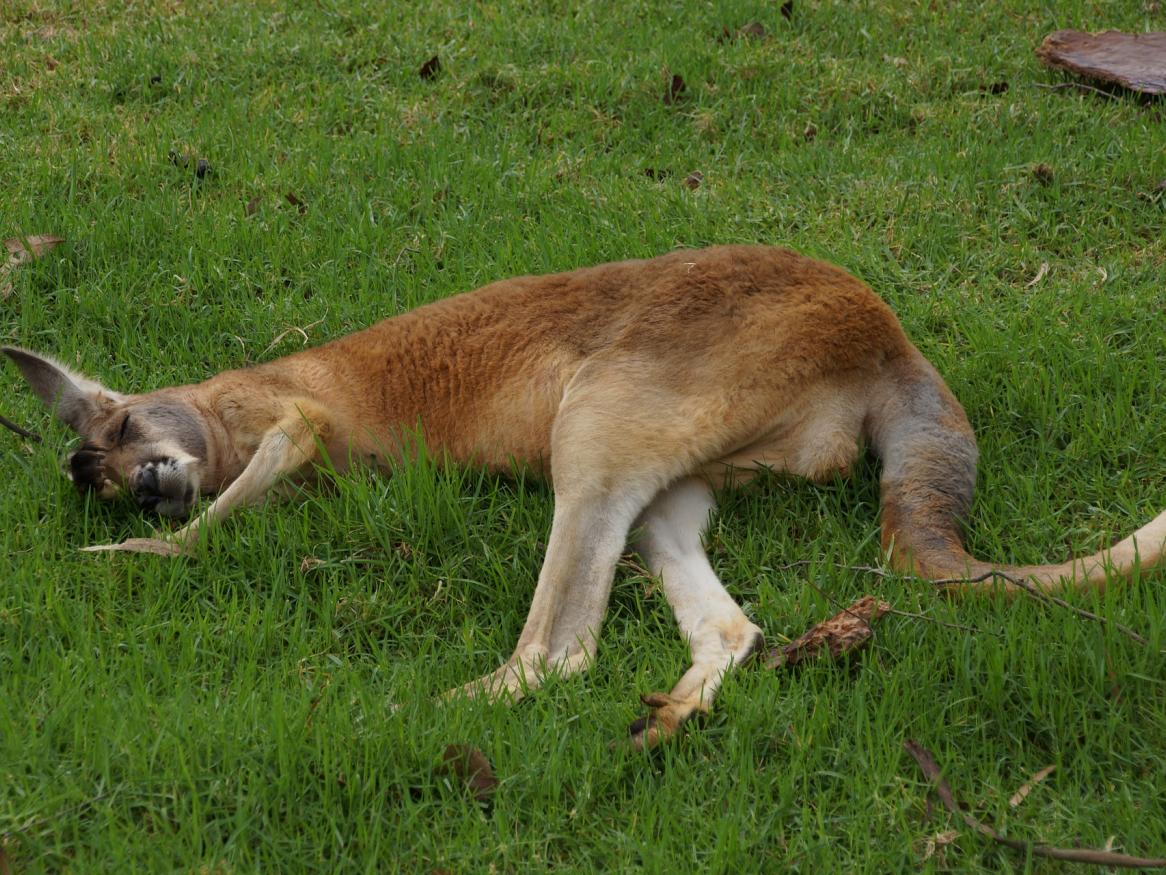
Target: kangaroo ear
(76,400)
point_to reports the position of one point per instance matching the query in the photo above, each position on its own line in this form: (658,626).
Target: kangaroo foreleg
(290,446)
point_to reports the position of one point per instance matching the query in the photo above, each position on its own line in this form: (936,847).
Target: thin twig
(1059,86)
(931,769)
(895,611)
(962,628)
(1020,583)
(23,432)
(1042,596)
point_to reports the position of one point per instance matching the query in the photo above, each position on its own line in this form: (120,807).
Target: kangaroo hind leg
(719,634)
(614,446)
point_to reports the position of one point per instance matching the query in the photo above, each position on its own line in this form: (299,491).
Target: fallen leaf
(51,63)
(22,250)
(33,246)
(753,30)
(1043,173)
(252,206)
(843,633)
(810,132)
(694,179)
(1027,786)
(139,545)
(308,563)
(470,766)
(787,9)
(1042,271)
(291,198)
(430,68)
(676,87)
(4,868)
(1136,61)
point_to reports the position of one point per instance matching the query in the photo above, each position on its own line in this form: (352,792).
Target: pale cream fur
(636,388)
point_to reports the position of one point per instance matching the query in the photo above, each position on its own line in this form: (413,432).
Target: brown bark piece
(1133,60)
(841,634)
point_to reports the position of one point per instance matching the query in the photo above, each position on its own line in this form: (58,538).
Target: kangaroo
(637,389)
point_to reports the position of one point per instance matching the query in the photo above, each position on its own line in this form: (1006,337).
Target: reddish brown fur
(484,373)
(632,386)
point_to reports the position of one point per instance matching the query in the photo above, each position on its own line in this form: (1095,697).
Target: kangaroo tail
(928,453)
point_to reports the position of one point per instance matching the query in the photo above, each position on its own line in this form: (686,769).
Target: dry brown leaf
(676,87)
(22,250)
(292,199)
(4,868)
(252,206)
(470,766)
(843,633)
(139,545)
(1027,786)
(430,68)
(694,179)
(753,30)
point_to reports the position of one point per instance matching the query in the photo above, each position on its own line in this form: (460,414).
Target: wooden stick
(1074,855)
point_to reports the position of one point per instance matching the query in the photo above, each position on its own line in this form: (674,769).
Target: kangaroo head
(154,446)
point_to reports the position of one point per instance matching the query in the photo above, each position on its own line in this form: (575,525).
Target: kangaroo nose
(148,481)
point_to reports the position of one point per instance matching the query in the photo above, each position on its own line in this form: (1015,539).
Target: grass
(233,714)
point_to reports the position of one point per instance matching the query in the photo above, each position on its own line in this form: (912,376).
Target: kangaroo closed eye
(638,389)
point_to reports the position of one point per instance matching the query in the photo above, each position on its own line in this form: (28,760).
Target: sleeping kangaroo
(637,389)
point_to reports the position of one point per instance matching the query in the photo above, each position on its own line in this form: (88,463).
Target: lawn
(235,712)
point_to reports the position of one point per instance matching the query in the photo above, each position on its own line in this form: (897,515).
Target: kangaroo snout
(164,486)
